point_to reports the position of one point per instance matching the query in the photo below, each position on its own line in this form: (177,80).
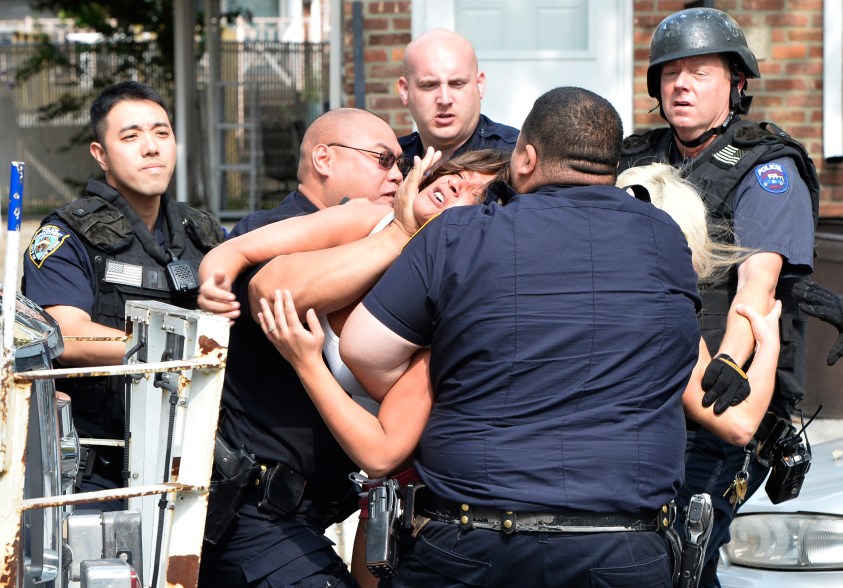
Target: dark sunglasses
(385,159)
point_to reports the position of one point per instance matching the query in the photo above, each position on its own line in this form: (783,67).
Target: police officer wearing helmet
(127,239)
(760,183)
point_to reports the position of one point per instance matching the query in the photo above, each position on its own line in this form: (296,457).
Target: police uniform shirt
(772,212)
(487,135)
(265,406)
(562,389)
(57,267)
(295,204)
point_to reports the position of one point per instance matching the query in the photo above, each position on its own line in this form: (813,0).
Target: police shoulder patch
(772,177)
(45,242)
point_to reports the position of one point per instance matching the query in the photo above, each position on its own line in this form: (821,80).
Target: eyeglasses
(385,159)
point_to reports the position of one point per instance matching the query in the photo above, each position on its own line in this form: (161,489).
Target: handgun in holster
(382,529)
(234,471)
(699,519)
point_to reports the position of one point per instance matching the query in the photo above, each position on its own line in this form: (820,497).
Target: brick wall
(787,38)
(786,35)
(386,32)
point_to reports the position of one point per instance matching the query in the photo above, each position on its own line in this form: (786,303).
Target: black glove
(819,301)
(725,384)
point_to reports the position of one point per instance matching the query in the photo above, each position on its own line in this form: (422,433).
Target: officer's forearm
(757,278)
(79,348)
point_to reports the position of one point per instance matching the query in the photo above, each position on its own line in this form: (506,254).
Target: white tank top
(331,351)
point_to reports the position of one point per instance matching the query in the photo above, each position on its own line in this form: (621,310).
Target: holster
(281,490)
(234,472)
(699,519)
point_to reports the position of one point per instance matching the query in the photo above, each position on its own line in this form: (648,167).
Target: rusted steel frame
(95,338)
(207,362)
(112,494)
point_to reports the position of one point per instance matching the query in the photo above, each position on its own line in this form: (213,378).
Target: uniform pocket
(464,570)
(652,573)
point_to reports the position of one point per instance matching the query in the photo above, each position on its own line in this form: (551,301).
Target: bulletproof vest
(716,173)
(129,265)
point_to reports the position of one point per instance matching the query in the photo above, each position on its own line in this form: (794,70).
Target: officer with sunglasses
(301,484)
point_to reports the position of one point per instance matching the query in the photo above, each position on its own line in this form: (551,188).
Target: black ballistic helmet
(698,31)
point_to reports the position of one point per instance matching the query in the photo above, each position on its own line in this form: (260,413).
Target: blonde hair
(679,198)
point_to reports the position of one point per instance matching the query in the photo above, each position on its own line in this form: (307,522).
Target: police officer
(556,434)
(762,184)
(278,536)
(125,240)
(443,87)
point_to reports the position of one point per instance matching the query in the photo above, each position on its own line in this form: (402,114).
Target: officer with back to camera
(761,184)
(555,441)
(120,242)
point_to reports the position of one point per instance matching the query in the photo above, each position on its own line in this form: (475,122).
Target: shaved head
(336,126)
(442,86)
(438,40)
(339,158)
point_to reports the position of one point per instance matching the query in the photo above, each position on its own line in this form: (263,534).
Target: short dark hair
(118,92)
(576,129)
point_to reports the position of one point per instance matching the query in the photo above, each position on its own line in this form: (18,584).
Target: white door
(527,47)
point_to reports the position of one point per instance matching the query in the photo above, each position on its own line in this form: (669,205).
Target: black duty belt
(482,517)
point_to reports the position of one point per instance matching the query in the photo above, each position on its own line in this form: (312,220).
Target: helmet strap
(708,134)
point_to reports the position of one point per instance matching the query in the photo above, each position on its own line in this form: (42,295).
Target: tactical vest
(716,173)
(128,265)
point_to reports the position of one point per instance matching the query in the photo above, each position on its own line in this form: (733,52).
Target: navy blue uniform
(487,135)
(266,409)
(561,391)
(763,186)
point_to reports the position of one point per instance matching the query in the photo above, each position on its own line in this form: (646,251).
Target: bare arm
(77,323)
(377,444)
(323,229)
(738,424)
(375,355)
(330,279)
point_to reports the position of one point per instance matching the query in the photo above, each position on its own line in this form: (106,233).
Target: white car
(794,544)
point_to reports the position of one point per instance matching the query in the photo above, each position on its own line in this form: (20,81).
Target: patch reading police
(45,242)
(772,177)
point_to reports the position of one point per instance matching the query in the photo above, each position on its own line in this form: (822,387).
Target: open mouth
(439,196)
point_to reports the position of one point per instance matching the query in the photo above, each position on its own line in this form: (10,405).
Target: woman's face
(462,189)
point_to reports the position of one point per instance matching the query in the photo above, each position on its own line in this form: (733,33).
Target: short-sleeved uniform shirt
(487,135)
(563,331)
(772,212)
(57,267)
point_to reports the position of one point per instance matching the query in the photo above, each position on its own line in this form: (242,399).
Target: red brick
(804,68)
(386,102)
(749,5)
(390,71)
(789,52)
(786,19)
(375,24)
(392,39)
(371,55)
